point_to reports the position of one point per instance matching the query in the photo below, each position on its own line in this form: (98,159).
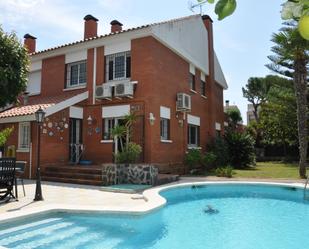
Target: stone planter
(129,173)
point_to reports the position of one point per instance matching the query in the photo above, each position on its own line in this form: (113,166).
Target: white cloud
(23,15)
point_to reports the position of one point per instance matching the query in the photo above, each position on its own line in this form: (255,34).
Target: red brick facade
(161,74)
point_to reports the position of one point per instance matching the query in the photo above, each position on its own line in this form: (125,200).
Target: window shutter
(198,135)
(168,129)
(110,70)
(128,66)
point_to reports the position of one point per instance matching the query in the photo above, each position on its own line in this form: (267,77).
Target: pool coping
(152,197)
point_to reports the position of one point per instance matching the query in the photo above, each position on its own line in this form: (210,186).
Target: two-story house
(167,73)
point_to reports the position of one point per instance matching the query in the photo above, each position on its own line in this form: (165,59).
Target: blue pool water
(249,217)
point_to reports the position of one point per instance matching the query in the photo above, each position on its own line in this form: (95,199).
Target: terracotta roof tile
(111,34)
(35,103)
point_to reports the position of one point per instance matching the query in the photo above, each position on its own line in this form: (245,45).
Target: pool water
(248,217)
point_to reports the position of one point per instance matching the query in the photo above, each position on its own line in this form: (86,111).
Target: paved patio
(63,196)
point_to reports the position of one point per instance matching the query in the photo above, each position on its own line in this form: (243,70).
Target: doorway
(75,140)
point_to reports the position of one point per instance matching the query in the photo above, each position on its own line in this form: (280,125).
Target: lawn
(269,170)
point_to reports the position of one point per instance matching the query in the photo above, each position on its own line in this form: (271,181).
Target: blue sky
(242,41)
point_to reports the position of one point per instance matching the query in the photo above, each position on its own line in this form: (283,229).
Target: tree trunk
(255,113)
(300,86)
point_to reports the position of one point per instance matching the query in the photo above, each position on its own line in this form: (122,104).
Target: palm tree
(130,119)
(118,132)
(291,59)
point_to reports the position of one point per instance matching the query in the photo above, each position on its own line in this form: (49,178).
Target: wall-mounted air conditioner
(124,90)
(103,92)
(183,102)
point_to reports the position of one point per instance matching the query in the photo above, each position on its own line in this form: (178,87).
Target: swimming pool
(249,217)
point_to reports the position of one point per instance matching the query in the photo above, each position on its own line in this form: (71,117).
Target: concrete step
(71,180)
(73,175)
(78,174)
(91,169)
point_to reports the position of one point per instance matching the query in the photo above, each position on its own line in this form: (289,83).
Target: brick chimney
(116,26)
(25,97)
(29,43)
(91,27)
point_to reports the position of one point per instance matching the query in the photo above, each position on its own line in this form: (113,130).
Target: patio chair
(20,172)
(7,178)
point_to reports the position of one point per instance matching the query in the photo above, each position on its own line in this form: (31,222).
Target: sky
(242,41)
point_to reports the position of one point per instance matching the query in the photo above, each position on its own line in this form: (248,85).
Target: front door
(75,140)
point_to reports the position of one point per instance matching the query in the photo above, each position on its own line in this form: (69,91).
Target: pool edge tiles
(152,201)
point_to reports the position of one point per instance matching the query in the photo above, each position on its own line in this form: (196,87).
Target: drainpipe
(94,74)
(30,161)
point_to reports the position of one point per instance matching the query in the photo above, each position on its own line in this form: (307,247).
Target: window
(118,66)
(24,136)
(34,82)
(192,81)
(165,129)
(193,135)
(108,125)
(218,133)
(76,74)
(203,88)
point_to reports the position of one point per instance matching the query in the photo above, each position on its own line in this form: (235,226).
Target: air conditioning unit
(124,90)
(103,92)
(183,102)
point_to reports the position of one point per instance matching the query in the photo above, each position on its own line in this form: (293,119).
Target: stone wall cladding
(129,174)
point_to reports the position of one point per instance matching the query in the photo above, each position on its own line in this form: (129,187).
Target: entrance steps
(88,175)
(78,174)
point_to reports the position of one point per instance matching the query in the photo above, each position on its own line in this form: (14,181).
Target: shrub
(224,172)
(240,149)
(130,154)
(219,148)
(208,160)
(4,135)
(193,158)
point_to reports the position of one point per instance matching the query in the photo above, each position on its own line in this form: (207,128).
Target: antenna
(199,4)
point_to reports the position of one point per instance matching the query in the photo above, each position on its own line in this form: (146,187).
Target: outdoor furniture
(20,171)
(7,178)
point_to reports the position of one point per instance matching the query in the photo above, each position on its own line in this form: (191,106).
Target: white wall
(219,76)
(187,37)
(194,120)
(76,56)
(115,111)
(76,112)
(121,46)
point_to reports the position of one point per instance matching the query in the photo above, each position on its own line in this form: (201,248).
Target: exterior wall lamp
(89,120)
(151,118)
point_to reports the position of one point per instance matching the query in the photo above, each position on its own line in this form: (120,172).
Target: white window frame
(107,129)
(79,84)
(21,138)
(197,134)
(165,116)
(112,57)
(106,126)
(165,130)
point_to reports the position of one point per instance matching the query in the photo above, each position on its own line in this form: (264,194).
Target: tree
(278,120)
(234,116)
(255,92)
(14,63)
(291,57)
